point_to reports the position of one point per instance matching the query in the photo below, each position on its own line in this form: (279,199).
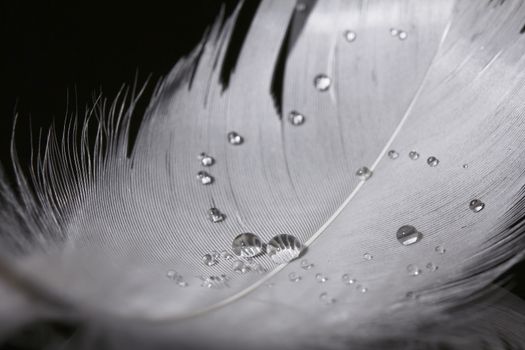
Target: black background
(51,47)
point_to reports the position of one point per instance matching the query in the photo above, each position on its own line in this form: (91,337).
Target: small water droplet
(171,274)
(293,277)
(247,245)
(413,155)
(476,205)
(325,299)
(322,82)
(209,260)
(440,249)
(295,118)
(284,248)
(239,266)
(413,270)
(182,284)
(431,267)
(174,275)
(205,178)
(215,215)
(394,32)
(215,282)
(407,235)
(226,255)
(465,166)
(234,138)
(321,278)
(206,160)
(393,154)
(368,256)
(361,289)
(432,161)
(305,265)
(347,280)
(402,35)
(364,173)
(350,35)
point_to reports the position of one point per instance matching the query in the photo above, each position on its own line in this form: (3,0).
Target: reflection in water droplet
(393,154)
(465,166)
(320,278)
(239,266)
(284,248)
(413,270)
(293,277)
(394,32)
(402,35)
(432,161)
(209,260)
(350,35)
(295,118)
(206,160)
(234,138)
(431,267)
(305,265)
(368,256)
(407,235)
(215,215)
(204,178)
(247,245)
(476,205)
(325,299)
(322,82)
(413,155)
(364,173)
(440,249)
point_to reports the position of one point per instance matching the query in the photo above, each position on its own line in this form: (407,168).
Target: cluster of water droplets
(215,282)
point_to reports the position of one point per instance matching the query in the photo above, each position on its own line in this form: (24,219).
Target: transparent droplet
(296,118)
(209,260)
(394,32)
(407,235)
(226,255)
(364,173)
(347,280)
(325,299)
(234,138)
(293,277)
(402,35)
(215,215)
(413,155)
(322,82)
(465,166)
(306,265)
(440,249)
(431,267)
(239,266)
(432,161)
(476,205)
(368,256)
(247,245)
(204,178)
(350,35)
(206,160)
(321,278)
(413,270)
(393,154)
(361,289)
(284,248)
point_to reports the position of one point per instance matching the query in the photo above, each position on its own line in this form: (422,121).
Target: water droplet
(284,248)
(325,299)
(364,173)
(476,205)
(322,82)
(413,270)
(321,278)
(174,275)
(432,161)
(305,265)
(206,160)
(226,255)
(440,249)
(431,267)
(204,178)
(350,35)
(393,154)
(394,32)
(368,256)
(182,284)
(293,277)
(347,280)
(361,289)
(215,215)
(234,138)
(247,245)
(407,235)
(209,260)
(171,274)
(413,155)
(465,166)
(259,268)
(402,35)
(296,118)
(215,282)
(239,266)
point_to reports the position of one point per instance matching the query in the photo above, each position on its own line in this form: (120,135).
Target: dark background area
(51,47)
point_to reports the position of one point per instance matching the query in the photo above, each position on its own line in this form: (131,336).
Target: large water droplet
(209,260)
(432,161)
(321,278)
(234,138)
(215,215)
(206,160)
(476,205)
(295,118)
(306,265)
(322,82)
(393,154)
(440,249)
(350,35)
(364,173)
(407,235)
(205,178)
(413,270)
(413,155)
(284,248)
(368,256)
(247,245)
(293,277)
